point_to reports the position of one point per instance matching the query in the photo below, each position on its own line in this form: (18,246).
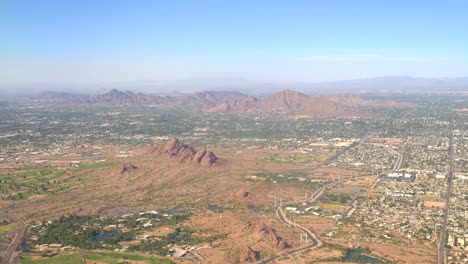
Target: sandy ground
(160,182)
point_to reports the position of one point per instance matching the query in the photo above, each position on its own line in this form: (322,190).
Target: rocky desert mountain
(290,102)
(249,255)
(175,149)
(238,105)
(128,167)
(283,102)
(117,97)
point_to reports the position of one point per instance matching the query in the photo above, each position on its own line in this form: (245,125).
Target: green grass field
(291,158)
(7,228)
(430,198)
(94,166)
(330,206)
(21,184)
(115,258)
(283,179)
(60,259)
(101,257)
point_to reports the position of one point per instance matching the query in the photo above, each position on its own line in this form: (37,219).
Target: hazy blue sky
(125,41)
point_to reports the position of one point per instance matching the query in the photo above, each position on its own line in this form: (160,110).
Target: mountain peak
(288,92)
(287,99)
(116,92)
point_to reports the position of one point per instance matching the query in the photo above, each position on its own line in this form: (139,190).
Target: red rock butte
(186,153)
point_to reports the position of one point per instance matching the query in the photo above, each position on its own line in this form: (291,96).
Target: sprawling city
(113,180)
(233,132)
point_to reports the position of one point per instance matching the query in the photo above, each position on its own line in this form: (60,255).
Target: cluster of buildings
(426,152)
(51,250)
(400,208)
(372,157)
(401,175)
(408,205)
(457,227)
(32,127)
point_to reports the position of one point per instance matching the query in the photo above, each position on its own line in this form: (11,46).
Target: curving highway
(10,254)
(310,236)
(314,242)
(317,194)
(399,161)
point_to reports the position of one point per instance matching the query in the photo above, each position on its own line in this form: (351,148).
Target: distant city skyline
(104,42)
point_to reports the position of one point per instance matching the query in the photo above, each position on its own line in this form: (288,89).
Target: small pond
(357,255)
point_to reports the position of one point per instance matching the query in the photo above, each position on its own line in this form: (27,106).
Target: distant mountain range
(290,102)
(391,84)
(297,103)
(399,84)
(116,97)
(283,102)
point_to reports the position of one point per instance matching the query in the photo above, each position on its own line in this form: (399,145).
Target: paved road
(443,231)
(317,194)
(310,236)
(314,242)
(397,165)
(399,161)
(344,150)
(10,256)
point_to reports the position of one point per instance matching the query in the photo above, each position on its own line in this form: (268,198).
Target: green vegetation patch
(60,259)
(337,198)
(115,258)
(430,198)
(291,158)
(180,236)
(330,206)
(80,231)
(334,201)
(360,254)
(94,232)
(21,184)
(296,179)
(93,166)
(7,228)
